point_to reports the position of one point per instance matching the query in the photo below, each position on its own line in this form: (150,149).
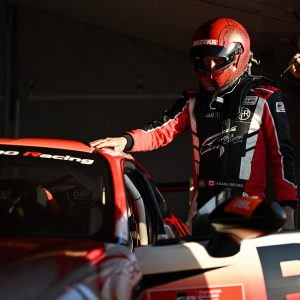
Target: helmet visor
(210,63)
(198,53)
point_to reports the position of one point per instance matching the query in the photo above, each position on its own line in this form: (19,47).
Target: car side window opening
(139,185)
(136,214)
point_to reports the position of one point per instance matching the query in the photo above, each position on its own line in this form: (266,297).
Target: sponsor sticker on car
(226,292)
(83,161)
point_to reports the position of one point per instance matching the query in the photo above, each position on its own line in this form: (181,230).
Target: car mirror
(247,217)
(242,218)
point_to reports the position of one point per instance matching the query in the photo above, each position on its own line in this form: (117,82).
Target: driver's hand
(295,68)
(117,143)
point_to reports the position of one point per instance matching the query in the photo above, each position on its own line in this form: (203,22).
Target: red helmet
(226,38)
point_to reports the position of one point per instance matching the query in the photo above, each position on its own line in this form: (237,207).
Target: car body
(247,258)
(70,218)
(265,268)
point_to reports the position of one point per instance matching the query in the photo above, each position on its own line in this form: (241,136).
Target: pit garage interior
(86,69)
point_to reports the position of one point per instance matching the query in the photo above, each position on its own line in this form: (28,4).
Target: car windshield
(50,192)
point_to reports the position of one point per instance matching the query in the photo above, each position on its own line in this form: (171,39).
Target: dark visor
(199,52)
(218,51)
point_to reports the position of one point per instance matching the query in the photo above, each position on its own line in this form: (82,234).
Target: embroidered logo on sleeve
(280,107)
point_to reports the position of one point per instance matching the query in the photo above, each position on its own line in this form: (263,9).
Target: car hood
(32,268)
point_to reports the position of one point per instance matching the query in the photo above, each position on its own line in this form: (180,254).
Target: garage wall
(78,58)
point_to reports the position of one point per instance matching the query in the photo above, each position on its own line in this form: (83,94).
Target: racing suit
(233,135)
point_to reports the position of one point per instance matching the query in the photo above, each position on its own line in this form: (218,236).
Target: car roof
(48,143)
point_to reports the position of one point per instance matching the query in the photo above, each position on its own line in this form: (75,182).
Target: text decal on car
(83,161)
(282,277)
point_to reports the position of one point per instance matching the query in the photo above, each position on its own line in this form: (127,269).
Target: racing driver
(238,123)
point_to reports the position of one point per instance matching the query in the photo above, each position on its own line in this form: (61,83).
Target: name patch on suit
(213,114)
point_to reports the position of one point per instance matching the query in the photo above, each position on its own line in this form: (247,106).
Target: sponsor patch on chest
(250,100)
(244,114)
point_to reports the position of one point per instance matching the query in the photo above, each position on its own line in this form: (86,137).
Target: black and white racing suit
(233,137)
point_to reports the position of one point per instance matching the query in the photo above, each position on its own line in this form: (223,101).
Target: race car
(85,224)
(71,217)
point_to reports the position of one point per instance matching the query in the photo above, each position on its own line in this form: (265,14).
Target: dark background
(85,69)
